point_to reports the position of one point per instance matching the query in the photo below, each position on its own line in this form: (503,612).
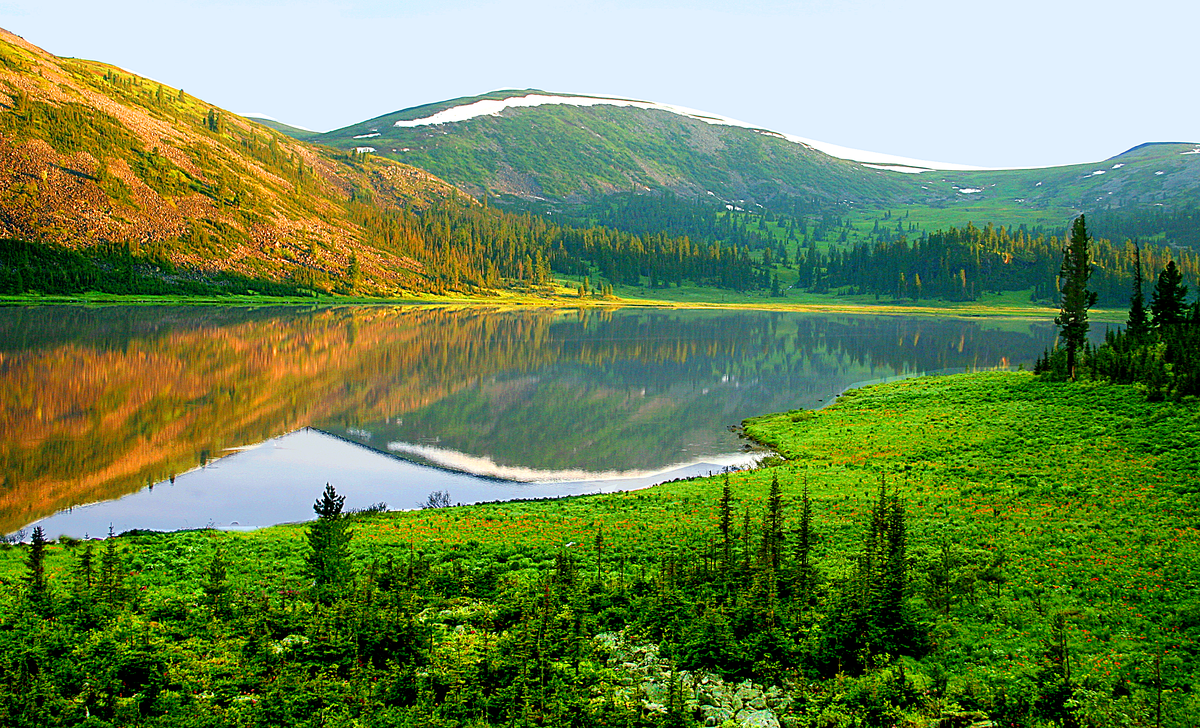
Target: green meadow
(982,549)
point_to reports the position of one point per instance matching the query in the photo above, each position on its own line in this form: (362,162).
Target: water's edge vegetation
(980,549)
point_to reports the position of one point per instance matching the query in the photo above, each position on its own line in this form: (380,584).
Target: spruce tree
(773,526)
(1138,323)
(36,563)
(804,541)
(85,570)
(112,571)
(747,548)
(329,538)
(1076,298)
(727,522)
(1167,301)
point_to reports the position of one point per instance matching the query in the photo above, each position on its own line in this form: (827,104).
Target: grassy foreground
(1052,577)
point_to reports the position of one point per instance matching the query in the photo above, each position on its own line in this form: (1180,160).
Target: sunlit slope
(515,143)
(91,154)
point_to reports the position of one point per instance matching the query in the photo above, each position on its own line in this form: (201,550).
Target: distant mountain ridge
(536,146)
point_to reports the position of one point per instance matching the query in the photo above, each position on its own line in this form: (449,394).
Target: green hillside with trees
(557,156)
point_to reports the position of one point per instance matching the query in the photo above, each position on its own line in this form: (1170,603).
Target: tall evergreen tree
(1138,323)
(727,522)
(773,527)
(85,570)
(746,543)
(112,571)
(36,563)
(1076,298)
(1167,301)
(329,538)
(891,618)
(804,541)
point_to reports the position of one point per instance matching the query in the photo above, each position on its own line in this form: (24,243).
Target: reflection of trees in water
(691,375)
(100,401)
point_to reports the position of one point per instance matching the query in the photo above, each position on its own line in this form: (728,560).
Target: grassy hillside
(560,153)
(1051,567)
(91,155)
(564,152)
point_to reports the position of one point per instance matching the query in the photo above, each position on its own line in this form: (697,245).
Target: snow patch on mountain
(898,168)
(494,107)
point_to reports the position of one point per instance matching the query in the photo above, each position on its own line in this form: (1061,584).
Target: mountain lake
(175,417)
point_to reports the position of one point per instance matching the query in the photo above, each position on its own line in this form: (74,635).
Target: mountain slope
(90,155)
(536,146)
(563,151)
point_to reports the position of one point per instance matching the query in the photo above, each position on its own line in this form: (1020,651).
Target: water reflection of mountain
(688,376)
(99,402)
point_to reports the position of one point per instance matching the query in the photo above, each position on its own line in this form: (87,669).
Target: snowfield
(494,107)
(898,168)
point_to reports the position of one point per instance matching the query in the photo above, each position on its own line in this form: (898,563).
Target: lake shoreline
(971,310)
(1038,500)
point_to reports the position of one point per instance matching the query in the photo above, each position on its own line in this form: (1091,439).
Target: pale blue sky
(1014,83)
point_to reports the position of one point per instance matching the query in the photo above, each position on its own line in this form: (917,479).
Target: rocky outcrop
(646,676)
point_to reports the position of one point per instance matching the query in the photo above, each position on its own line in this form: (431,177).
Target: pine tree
(773,527)
(804,541)
(1167,301)
(746,544)
(112,572)
(36,563)
(1138,324)
(727,522)
(894,588)
(329,538)
(85,570)
(1076,298)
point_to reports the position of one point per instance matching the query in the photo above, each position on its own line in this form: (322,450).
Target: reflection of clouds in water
(488,468)
(277,481)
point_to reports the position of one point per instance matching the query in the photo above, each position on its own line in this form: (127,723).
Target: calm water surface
(186,417)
